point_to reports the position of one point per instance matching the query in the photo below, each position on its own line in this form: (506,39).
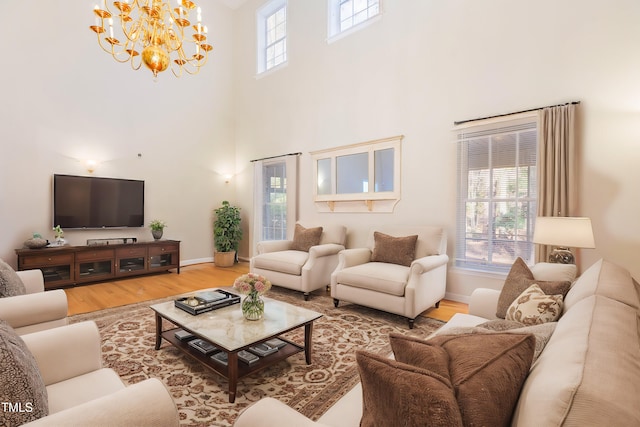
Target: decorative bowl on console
(36,242)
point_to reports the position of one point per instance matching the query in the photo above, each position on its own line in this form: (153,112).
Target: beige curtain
(557,166)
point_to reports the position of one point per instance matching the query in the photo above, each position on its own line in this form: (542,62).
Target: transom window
(272,35)
(359,177)
(345,15)
(497,194)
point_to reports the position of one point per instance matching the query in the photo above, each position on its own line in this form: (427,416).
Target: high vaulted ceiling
(233,4)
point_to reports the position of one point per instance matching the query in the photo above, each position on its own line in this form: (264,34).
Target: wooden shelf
(244,369)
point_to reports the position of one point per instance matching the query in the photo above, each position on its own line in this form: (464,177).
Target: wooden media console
(71,265)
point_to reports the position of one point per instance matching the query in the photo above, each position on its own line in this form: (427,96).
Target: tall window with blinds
(497,195)
(275,198)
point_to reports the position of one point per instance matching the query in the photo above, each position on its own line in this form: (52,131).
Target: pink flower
(252,282)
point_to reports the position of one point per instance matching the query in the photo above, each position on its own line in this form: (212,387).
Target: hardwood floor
(84,299)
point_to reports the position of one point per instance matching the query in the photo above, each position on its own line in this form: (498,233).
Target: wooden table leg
(232,366)
(308,331)
(158,331)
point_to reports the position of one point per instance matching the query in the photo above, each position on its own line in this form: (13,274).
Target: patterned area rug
(128,335)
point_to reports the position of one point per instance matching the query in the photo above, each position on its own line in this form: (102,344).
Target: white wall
(427,63)
(63,100)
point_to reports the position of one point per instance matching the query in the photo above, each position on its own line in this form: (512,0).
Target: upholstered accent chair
(286,263)
(35,310)
(387,275)
(80,391)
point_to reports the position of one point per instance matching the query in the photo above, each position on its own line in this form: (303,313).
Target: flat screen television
(91,202)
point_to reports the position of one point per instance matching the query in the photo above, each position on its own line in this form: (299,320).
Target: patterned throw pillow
(20,380)
(394,250)
(518,280)
(305,238)
(486,372)
(534,307)
(10,283)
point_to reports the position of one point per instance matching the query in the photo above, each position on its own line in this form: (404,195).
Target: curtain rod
(461,122)
(275,157)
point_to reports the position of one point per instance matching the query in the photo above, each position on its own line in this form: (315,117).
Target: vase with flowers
(59,234)
(252,285)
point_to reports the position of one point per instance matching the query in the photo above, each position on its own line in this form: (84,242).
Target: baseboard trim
(186,262)
(457,297)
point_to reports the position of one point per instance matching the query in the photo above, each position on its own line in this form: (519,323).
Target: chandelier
(154,34)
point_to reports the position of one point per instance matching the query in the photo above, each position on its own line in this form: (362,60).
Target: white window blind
(275,198)
(497,196)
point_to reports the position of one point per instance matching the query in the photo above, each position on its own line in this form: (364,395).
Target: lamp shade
(569,232)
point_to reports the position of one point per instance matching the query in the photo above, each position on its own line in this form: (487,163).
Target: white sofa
(36,310)
(83,393)
(588,373)
(300,270)
(406,290)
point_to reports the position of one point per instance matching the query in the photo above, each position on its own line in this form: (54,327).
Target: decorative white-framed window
(346,16)
(363,177)
(497,192)
(272,35)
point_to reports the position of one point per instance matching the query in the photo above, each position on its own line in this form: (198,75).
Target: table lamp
(563,233)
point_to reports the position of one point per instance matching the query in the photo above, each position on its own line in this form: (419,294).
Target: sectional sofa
(588,373)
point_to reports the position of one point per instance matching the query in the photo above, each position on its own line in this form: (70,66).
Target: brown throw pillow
(542,332)
(394,250)
(304,238)
(397,394)
(20,380)
(10,283)
(486,371)
(518,280)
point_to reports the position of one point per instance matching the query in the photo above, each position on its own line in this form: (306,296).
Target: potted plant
(226,234)
(157,228)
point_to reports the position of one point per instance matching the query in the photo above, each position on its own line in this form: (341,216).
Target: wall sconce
(227,178)
(91,165)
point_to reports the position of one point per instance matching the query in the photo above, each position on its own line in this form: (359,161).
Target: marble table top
(227,328)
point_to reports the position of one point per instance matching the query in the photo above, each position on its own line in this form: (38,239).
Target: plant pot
(224,259)
(157,234)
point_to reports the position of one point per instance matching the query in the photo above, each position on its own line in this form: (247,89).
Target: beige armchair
(407,290)
(304,271)
(81,392)
(36,310)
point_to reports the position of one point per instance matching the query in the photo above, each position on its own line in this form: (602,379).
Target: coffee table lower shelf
(235,369)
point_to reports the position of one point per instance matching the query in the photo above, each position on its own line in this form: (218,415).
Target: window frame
(262,16)
(516,124)
(369,200)
(288,166)
(334,30)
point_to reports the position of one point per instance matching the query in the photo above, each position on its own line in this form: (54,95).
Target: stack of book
(243,356)
(268,347)
(183,335)
(204,347)
(253,355)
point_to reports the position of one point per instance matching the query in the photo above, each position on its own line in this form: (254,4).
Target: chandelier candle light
(153,34)
(253,285)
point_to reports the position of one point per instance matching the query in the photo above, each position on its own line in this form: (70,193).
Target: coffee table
(230,332)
